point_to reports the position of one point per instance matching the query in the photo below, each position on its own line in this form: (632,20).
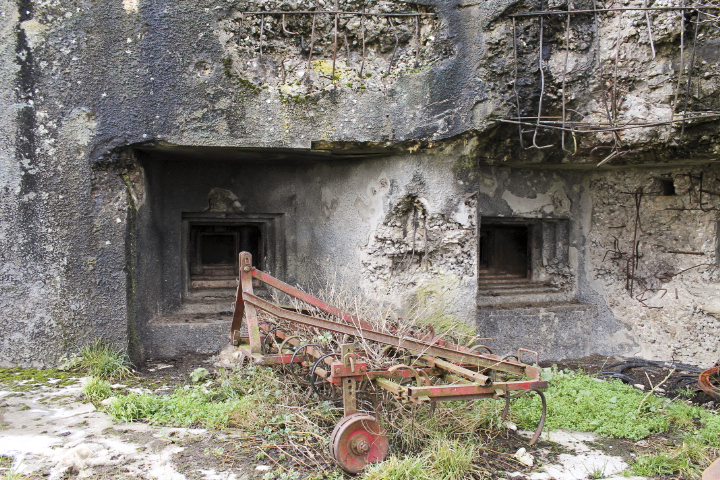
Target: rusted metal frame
(333,375)
(311,351)
(542,82)
(497,389)
(517,95)
(268,359)
(284,27)
(615,70)
(262,30)
(597,127)
(309,299)
(263,359)
(650,32)
(403,373)
(705,380)
(602,10)
(419,347)
(417,41)
(491,361)
(475,360)
(245,288)
(457,392)
(312,45)
(349,384)
(347,49)
(362,33)
(689,76)
(680,71)
(391,387)
(611,119)
(633,260)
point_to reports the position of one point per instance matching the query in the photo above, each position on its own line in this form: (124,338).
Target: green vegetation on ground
(613,409)
(268,409)
(101,360)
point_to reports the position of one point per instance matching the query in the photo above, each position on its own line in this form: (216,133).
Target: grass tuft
(394,468)
(97,390)
(443,458)
(101,360)
(451,459)
(12,476)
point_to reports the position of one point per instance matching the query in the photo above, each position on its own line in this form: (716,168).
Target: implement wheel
(357,440)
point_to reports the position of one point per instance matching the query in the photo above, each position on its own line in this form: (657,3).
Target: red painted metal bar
(464,390)
(481,361)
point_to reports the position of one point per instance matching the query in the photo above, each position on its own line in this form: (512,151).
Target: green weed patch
(187,406)
(101,360)
(607,407)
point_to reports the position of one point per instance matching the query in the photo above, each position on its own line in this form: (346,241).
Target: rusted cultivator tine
(541,425)
(442,370)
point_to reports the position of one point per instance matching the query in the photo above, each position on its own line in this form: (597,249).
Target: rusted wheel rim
(358,440)
(709,381)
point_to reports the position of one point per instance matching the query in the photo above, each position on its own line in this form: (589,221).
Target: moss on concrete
(20,379)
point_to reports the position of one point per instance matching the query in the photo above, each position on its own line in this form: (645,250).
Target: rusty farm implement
(424,368)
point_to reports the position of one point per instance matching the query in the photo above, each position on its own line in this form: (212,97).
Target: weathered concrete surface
(83,253)
(671,308)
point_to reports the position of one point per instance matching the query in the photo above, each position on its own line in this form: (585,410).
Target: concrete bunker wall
(83,80)
(402,229)
(325,213)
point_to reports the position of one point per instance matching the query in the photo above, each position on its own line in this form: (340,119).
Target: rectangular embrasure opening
(213,250)
(504,251)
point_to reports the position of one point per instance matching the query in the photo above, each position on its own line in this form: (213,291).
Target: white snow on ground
(585,462)
(71,436)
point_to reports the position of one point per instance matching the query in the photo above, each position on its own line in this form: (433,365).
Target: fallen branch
(653,389)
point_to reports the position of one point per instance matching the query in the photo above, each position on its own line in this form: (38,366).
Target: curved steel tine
(312,376)
(507,408)
(287,339)
(269,335)
(541,425)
